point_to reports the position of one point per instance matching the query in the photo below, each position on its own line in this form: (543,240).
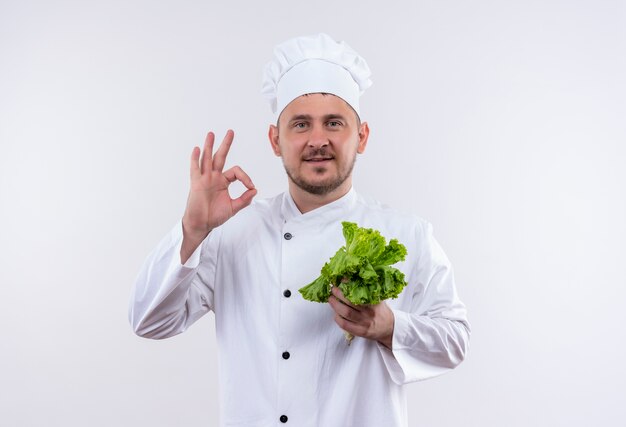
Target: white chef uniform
(283,360)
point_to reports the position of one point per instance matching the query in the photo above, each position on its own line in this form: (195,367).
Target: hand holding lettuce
(361,269)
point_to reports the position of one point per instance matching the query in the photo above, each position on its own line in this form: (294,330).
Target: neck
(306,202)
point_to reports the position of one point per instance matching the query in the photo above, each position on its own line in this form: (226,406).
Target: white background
(501,122)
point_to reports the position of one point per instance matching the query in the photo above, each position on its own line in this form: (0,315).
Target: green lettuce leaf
(361,269)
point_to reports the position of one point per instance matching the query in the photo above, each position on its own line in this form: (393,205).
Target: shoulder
(382,216)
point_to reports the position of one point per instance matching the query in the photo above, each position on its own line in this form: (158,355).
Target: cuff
(393,358)
(176,239)
(404,362)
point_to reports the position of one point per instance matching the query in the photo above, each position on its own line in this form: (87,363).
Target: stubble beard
(324,187)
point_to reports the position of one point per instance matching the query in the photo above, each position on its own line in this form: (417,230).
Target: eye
(300,125)
(334,123)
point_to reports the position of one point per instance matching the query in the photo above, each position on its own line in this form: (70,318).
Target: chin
(321,181)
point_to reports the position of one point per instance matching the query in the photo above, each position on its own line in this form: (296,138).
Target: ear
(364,133)
(273,136)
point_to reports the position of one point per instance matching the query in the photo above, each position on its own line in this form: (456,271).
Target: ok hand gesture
(209,205)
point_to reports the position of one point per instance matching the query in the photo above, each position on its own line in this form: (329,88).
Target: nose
(318,137)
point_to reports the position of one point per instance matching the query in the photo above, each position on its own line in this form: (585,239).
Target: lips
(318,155)
(318,159)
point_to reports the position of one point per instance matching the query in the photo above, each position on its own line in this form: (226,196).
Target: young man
(284,360)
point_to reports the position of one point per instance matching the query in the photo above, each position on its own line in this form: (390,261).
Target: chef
(284,360)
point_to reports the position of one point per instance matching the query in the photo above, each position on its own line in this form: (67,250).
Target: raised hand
(209,205)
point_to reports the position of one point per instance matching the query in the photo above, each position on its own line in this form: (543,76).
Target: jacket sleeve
(431,332)
(167,296)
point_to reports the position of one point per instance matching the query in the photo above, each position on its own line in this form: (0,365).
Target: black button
(283,418)
(286,355)
(287,236)
(287,293)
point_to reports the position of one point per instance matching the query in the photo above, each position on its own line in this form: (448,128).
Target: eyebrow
(309,117)
(301,117)
(334,116)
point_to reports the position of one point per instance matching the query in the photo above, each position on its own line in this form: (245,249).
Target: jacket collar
(329,212)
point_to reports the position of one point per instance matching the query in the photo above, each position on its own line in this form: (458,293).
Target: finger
(237,174)
(336,291)
(343,310)
(242,201)
(354,327)
(344,324)
(195,162)
(220,155)
(350,327)
(207,154)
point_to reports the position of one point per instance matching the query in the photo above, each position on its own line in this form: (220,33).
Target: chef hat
(314,64)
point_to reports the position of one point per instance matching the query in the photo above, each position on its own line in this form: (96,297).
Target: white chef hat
(314,64)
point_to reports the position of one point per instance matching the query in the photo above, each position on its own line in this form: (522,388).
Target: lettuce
(361,269)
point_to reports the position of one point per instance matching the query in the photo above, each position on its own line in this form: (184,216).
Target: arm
(432,337)
(168,296)
(174,289)
(421,341)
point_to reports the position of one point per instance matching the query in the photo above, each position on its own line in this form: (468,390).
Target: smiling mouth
(318,159)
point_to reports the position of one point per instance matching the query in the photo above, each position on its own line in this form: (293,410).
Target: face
(318,138)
